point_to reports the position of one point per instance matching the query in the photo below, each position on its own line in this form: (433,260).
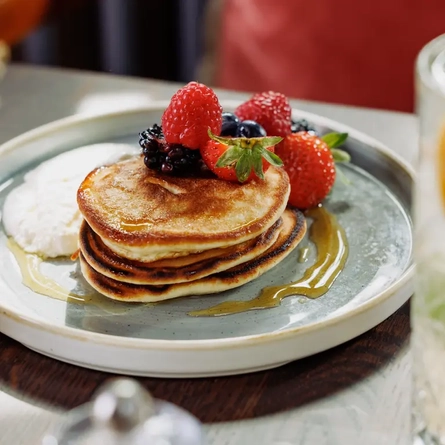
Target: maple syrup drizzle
(332,252)
(35,280)
(325,232)
(303,254)
(136,226)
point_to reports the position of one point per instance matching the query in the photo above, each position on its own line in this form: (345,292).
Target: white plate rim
(207,344)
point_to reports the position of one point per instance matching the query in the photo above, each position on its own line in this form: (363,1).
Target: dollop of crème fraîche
(42,215)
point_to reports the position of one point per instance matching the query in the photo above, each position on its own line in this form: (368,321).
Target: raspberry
(192,111)
(269,109)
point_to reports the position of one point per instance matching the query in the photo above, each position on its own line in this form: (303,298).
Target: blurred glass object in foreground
(428,304)
(123,413)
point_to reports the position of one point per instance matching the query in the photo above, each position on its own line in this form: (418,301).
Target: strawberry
(310,164)
(269,109)
(192,111)
(240,159)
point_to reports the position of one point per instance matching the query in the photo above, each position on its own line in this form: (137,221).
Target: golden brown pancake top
(127,203)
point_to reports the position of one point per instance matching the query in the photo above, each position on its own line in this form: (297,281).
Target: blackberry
(155,131)
(303,125)
(173,159)
(149,139)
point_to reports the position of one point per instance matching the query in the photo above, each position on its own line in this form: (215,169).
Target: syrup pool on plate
(327,235)
(331,244)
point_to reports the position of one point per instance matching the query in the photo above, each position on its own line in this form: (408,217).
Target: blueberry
(229,128)
(303,125)
(230,117)
(250,129)
(229,124)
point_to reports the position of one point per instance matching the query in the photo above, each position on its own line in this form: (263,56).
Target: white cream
(42,214)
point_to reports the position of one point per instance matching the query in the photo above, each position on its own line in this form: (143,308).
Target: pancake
(293,230)
(143,215)
(175,270)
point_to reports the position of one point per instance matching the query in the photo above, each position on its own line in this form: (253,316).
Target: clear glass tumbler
(428,304)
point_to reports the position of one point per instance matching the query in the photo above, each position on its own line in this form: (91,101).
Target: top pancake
(144,215)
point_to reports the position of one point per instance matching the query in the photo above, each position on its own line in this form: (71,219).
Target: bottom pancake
(293,230)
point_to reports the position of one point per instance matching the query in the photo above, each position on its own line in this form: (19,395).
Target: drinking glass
(428,304)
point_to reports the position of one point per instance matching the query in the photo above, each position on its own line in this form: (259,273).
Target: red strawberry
(240,159)
(270,109)
(310,164)
(192,111)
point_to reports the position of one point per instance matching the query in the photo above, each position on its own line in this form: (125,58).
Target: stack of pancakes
(150,237)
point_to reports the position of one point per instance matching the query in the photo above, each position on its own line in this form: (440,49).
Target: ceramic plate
(163,340)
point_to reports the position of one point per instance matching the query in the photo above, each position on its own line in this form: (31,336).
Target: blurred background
(338,51)
(150,38)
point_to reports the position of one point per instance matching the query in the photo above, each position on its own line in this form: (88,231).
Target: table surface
(358,392)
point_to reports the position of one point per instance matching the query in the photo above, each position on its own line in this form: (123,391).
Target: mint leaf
(334,139)
(340,155)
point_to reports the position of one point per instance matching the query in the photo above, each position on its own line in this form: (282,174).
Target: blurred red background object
(342,51)
(19,17)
